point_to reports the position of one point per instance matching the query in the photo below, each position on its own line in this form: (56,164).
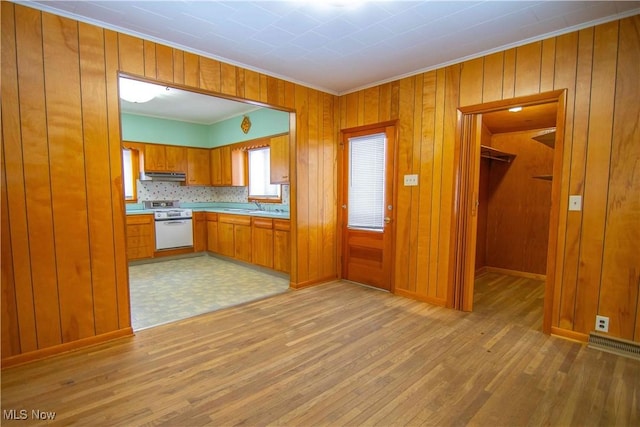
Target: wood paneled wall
(64,268)
(519,205)
(64,271)
(483,203)
(598,268)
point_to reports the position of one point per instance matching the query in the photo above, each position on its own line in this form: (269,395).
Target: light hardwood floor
(340,354)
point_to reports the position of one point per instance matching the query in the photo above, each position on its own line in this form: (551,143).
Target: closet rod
(500,159)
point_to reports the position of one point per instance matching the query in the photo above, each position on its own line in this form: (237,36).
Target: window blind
(367,181)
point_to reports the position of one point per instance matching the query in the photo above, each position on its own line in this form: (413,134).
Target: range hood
(163,176)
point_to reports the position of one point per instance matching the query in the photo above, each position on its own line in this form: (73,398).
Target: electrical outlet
(575,202)
(602,323)
(411,180)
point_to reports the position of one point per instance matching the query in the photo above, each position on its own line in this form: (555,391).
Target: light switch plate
(410,180)
(575,203)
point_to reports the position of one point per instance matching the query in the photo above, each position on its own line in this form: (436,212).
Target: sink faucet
(259,205)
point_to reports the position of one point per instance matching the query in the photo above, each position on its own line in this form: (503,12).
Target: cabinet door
(216,166)
(239,175)
(225,166)
(140,237)
(262,242)
(199,231)
(281,246)
(176,158)
(242,241)
(212,232)
(198,166)
(225,239)
(154,158)
(280,159)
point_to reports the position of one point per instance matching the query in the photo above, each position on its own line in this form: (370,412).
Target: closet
(514,194)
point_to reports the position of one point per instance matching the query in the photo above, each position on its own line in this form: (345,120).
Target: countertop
(278,212)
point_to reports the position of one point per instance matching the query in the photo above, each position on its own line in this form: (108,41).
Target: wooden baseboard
(481,271)
(44,353)
(315,282)
(172,252)
(570,335)
(418,297)
(508,272)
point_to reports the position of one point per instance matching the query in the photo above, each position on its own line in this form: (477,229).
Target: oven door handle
(173,222)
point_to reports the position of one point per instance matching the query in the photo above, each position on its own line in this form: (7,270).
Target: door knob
(387,220)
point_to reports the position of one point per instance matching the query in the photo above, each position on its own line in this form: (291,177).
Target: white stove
(174,225)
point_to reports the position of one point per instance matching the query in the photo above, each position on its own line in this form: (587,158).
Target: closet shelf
(548,138)
(544,177)
(493,154)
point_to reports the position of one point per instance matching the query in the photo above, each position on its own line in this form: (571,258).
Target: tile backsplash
(159,190)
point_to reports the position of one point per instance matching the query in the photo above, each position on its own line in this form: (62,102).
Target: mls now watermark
(23,414)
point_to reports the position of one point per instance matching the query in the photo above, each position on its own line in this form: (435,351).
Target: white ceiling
(339,49)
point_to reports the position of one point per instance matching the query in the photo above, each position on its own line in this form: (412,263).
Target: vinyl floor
(167,291)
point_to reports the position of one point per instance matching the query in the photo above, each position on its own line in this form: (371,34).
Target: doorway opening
(185,161)
(509,166)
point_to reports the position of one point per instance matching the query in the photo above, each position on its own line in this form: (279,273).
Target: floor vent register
(614,345)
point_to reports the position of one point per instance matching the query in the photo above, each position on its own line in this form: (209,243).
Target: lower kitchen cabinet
(212,232)
(257,240)
(262,241)
(140,237)
(199,231)
(234,236)
(242,240)
(281,245)
(225,238)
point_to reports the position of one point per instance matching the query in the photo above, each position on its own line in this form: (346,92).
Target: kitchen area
(207,212)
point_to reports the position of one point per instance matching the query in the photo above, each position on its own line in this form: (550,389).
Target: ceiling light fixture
(515,109)
(137,91)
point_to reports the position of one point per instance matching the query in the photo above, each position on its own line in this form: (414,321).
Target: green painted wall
(162,131)
(264,122)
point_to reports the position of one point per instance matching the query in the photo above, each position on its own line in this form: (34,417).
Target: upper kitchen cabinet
(221,166)
(165,158)
(198,166)
(280,159)
(228,167)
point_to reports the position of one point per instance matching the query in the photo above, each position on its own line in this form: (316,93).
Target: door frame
(466,167)
(342,182)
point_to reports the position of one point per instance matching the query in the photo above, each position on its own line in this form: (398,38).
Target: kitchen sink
(240,210)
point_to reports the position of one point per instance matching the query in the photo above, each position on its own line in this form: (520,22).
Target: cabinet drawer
(139,219)
(234,219)
(282,224)
(262,222)
(212,216)
(138,241)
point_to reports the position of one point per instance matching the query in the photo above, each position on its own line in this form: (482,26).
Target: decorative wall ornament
(246,124)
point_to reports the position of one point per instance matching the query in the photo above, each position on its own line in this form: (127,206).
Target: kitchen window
(260,187)
(130,171)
